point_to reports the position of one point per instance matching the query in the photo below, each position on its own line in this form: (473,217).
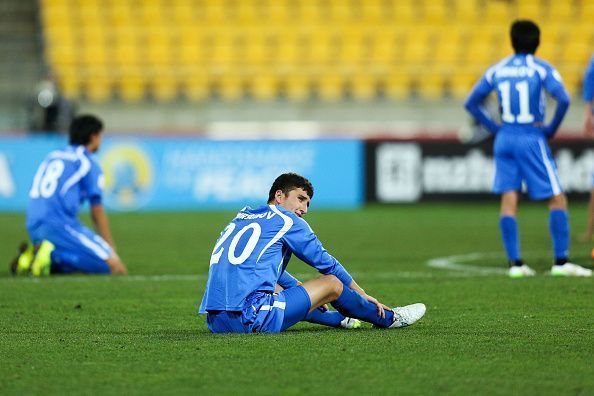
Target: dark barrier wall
(402,171)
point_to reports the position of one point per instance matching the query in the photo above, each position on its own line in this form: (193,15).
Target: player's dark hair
(288,182)
(82,127)
(525,36)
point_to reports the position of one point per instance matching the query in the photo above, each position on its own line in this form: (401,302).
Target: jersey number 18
(45,181)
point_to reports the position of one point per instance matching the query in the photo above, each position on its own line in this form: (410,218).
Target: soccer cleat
(570,269)
(407,315)
(42,261)
(520,271)
(350,323)
(21,264)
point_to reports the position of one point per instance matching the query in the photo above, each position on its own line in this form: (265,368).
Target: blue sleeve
(474,104)
(93,184)
(554,85)
(589,82)
(307,247)
(287,280)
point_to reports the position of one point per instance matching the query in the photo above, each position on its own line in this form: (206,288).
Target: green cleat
(42,261)
(350,323)
(21,264)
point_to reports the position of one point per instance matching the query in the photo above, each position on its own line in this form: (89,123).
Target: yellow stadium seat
(69,84)
(61,55)
(461,81)
(533,10)
(131,89)
(465,11)
(97,89)
(230,87)
(264,86)
(297,87)
(436,11)
(164,88)
(363,86)
(430,83)
(418,47)
(560,11)
(398,84)
(196,87)
(404,12)
(497,12)
(330,86)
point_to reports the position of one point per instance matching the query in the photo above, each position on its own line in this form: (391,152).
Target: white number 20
(234,258)
(45,181)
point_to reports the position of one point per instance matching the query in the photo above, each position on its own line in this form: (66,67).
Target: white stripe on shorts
(550,170)
(277,304)
(96,248)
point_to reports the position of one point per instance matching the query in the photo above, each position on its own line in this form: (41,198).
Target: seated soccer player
(61,244)
(251,256)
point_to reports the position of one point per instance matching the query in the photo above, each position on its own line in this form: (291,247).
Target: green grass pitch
(483,333)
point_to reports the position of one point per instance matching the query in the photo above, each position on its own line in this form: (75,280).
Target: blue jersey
(520,81)
(64,180)
(589,81)
(252,254)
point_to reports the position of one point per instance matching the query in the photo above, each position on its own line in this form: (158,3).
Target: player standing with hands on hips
(521,149)
(250,259)
(61,244)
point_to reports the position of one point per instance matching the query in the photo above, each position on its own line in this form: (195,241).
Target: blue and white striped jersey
(252,254)
(520,81)
(64,180)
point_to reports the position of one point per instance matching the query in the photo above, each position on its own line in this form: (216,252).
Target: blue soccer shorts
(263,312)
(525,158)
(78,249)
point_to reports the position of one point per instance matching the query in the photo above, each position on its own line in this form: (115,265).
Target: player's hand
(323,308)
(380,307)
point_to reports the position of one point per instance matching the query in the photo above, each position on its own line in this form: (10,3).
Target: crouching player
(250,258)
(61,244)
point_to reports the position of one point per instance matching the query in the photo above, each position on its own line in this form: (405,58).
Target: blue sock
(352,304)
(511,240)
(327,318)
(559,228)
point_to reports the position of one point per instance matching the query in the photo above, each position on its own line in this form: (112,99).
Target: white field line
(454,264)
(457,263)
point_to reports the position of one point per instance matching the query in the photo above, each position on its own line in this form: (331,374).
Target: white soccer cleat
(570,269)
(350,323)
(520,271)
(407,315)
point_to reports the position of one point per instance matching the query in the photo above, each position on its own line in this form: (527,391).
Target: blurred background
(281,68)
(206,101)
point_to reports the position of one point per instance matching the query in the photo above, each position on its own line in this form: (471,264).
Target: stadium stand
(297,49)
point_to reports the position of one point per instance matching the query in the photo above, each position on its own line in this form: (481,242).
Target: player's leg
(559,229)
(21,263)
(70,249)
(508,226)
(507,183)
(542,179)
(325,317)
(329,289)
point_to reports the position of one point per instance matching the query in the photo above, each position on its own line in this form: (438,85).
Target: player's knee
(559,201)
(334,286)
